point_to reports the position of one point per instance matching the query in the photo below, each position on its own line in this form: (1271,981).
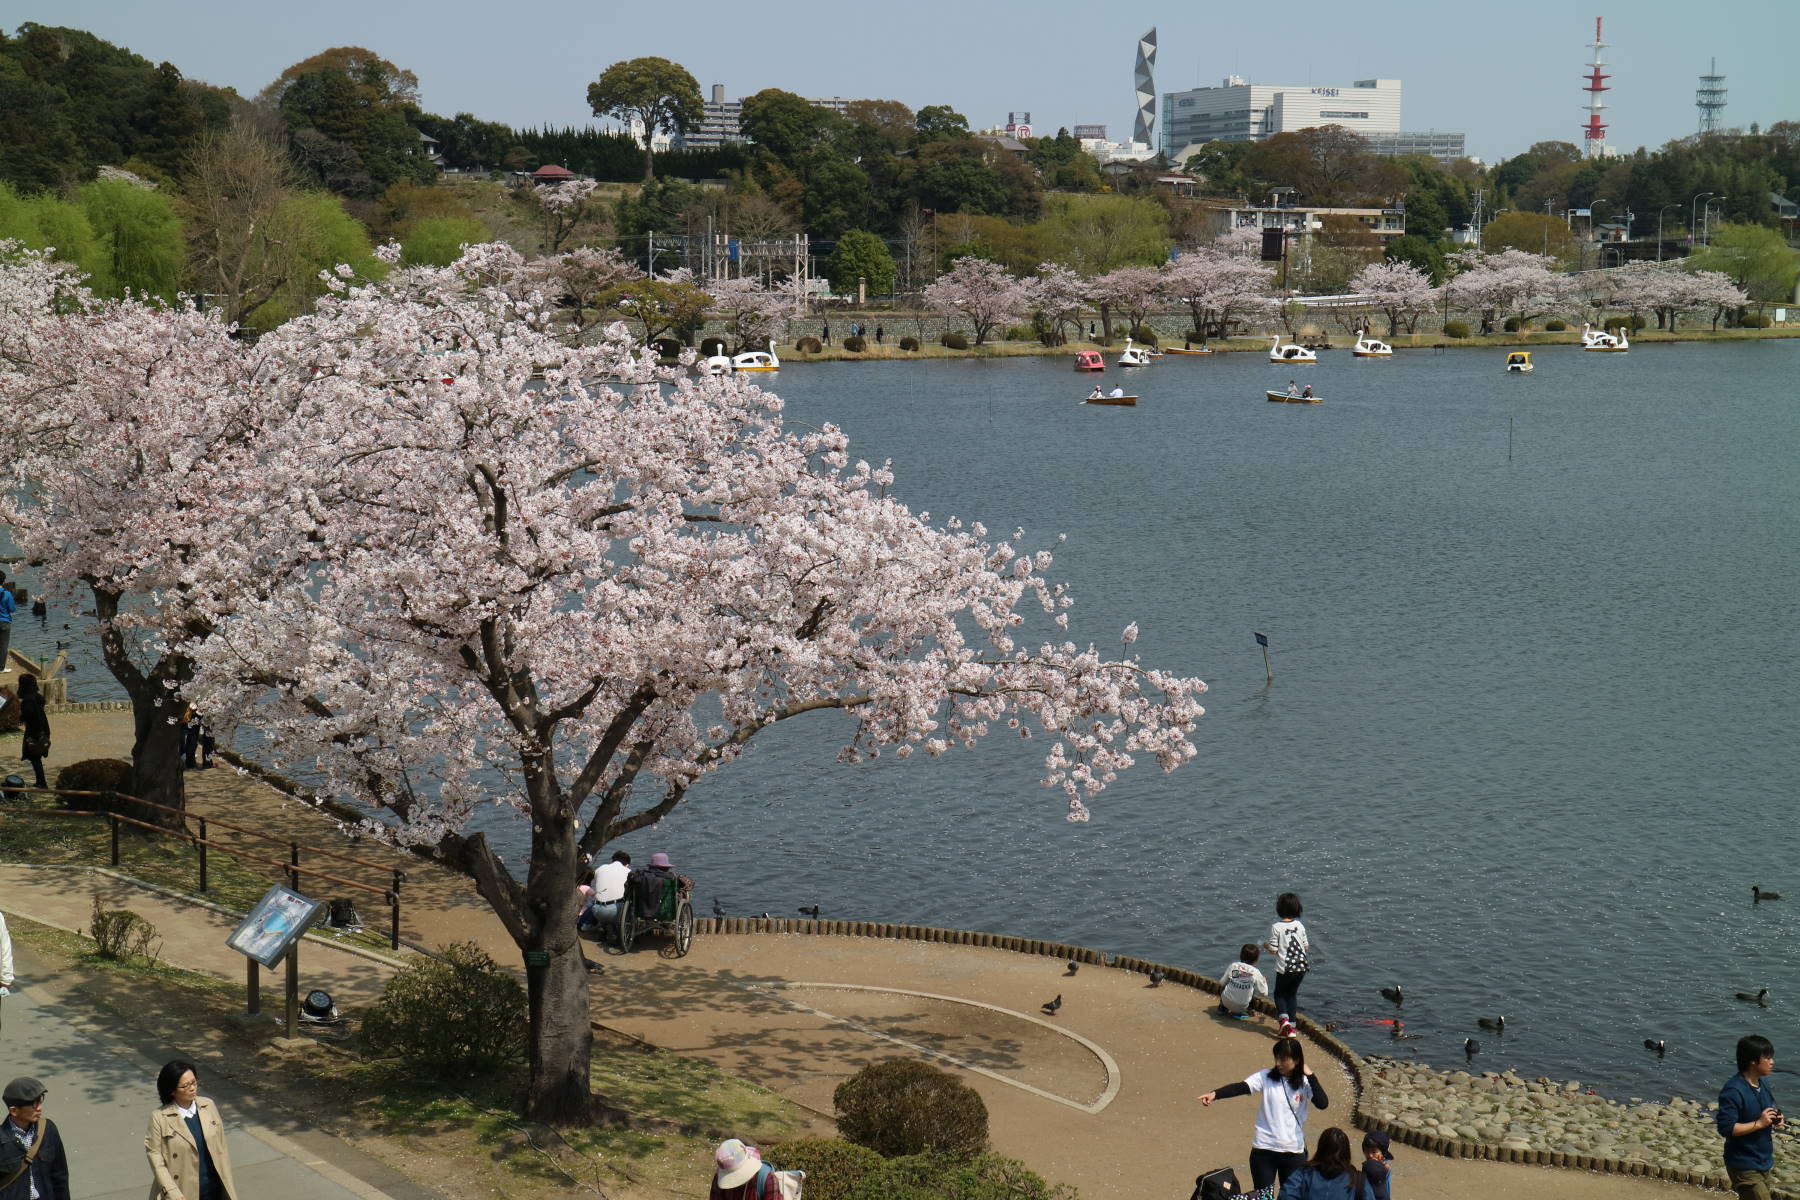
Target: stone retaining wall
(1358,1068)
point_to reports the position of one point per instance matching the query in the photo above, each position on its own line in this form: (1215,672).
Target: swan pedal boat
(1135,356)
(756,360)
(1368,347)
(1606,343)
(1089,360)
(1289,353)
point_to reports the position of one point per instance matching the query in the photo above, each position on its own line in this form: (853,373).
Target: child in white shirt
(1242,983)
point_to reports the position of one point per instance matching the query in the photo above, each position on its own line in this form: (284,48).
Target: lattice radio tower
(1595,130)
(1709,98)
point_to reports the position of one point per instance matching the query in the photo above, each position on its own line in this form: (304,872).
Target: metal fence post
(294,865)
(113,820)
(202,848)
(393,899)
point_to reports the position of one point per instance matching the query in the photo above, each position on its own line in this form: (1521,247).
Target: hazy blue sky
(1507,75)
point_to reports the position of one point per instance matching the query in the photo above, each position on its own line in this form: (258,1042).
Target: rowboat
(1283,397)
(1188,350)
(1126,400)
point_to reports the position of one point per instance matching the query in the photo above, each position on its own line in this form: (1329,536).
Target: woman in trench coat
(187,1163)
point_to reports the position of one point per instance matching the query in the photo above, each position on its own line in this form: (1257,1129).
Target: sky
(1506,76)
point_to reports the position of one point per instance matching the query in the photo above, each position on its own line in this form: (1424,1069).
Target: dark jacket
(1738,1103)
(31,712)
(50,1169)
(1308,1184)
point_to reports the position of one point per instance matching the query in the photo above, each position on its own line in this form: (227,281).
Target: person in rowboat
(1293,387)
(1117,392)
(1096,393)
(1306,392)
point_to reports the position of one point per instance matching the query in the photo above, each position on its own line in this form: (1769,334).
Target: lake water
(1532,732)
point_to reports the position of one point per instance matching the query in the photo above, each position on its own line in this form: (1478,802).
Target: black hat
(25,1090)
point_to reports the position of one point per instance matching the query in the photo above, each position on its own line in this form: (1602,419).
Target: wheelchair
(673,919)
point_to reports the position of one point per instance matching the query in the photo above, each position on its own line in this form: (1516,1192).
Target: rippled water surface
(1532,733)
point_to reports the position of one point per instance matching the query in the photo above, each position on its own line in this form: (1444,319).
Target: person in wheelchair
(647,883)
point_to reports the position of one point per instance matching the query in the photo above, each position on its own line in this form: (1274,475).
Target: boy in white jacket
(1241,982)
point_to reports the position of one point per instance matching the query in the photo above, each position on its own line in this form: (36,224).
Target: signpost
(270,933)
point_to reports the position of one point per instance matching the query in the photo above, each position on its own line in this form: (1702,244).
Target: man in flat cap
(32,1166)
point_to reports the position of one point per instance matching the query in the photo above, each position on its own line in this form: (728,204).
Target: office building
(722,122)
(1239,111)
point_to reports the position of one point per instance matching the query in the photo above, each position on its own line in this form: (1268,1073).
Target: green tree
(782,123)
(860,255)
(236,183)
(1532,232)
(438,241)
(937,122)
(1753,257)
(654,91)
(312,234)
(837,197)
(42,222)
(1097,234)
(354,98)
(142,233)
(1427,254)
(658,306)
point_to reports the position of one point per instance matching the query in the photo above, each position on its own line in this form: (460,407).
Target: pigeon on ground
(1657,1045)
(1073,967)
(1394,994)
(718,909)
(1756,999)
(1050,1008)
(1758,895)
(1497,1024)
(812,912)
(1156,978)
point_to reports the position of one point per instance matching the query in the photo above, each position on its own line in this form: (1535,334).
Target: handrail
(292,868)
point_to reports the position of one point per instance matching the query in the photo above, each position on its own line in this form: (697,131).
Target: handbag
(1220,1183)
(35,745)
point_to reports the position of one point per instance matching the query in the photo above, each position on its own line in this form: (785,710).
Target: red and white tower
(1595,129)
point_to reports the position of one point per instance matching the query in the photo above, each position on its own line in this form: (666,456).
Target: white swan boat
(1135,356)
(1289,353)
(717,364)
(1608,343)
(1368,347)
(756,360)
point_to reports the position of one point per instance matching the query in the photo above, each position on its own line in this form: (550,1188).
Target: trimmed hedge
(904,1106)
(855,343)
(710,346)
(1456,329)
(955,341)
(1143,335)
(939,1177)
(909,342)
(808,345)
(1555,326)
(1754,321)
(1513,325)
(457,1016)
(834,1167)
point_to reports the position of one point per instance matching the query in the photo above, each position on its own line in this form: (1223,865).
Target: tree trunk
(1106,321)
(156,756)
(562,1036)
(649,165)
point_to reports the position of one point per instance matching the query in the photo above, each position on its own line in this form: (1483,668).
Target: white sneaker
(1287,1028)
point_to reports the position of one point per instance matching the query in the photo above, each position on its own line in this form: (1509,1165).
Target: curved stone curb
(1352,1062)
(1109,1066)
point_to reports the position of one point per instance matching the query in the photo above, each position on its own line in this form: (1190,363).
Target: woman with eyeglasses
(186,1140)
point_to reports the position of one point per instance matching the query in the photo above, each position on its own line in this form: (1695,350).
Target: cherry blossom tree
(564,206)
(126,426)
(1058,294)
(577,279)
(1133,291)
(1493,286)
(1401,291)
(1242,241)
(527,589)
(980,290)
(1219,288)
(1705,290)
(757,315)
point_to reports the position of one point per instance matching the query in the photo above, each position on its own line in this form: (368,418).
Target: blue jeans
(598,914)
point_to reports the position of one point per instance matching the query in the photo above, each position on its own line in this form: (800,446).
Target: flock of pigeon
(1471,1047)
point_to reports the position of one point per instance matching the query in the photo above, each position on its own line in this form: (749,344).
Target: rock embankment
(1541,1120)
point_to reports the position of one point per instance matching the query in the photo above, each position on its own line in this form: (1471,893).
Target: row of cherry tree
(416,541)
(1222,284)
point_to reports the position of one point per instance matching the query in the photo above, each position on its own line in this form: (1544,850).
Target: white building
(722,121)
(1237,111)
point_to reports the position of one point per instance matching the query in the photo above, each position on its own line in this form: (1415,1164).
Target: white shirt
(1242,981)
(609,882)
(1281,1120)
(1288,929)
(6,961)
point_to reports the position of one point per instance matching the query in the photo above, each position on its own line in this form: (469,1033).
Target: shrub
(711,346)
(1555,326)
(1513,325)
(121,934)
(808,345)
(1018,333)
(667,348)
(903,1106)
(955,341)
(855,343)
(1634,322)
(111,777)
(10,720)
(1754,321)
(1456,329)
(909,342)
(938,1177)
(834,1168)
(1143,335)
(458,1015)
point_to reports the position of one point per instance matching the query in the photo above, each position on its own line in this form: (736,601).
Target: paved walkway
(1100,1096)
